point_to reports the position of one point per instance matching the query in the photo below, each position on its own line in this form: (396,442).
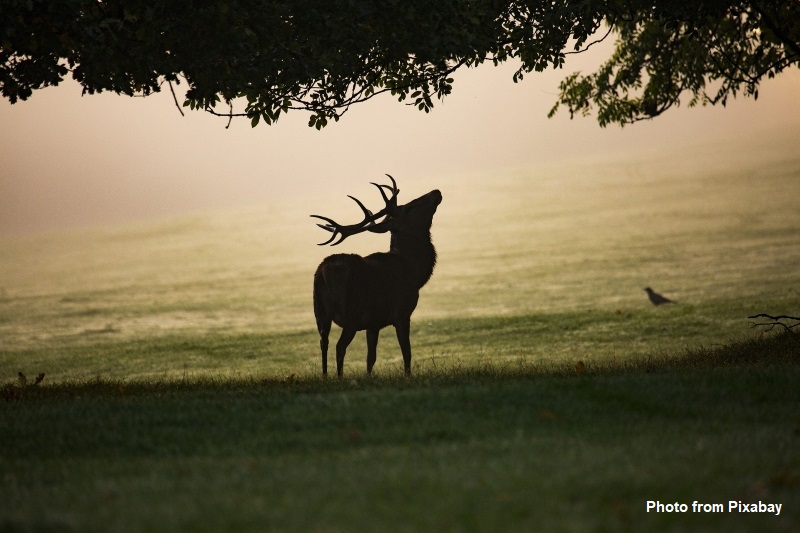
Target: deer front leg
(372,348)
(403,330)
(341,348)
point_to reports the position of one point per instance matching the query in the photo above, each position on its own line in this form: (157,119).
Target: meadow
(182,387)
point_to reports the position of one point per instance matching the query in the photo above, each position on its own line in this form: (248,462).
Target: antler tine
(335,234)
(367,212)
(342,237)
(394,184)
(330,226)
(326,219)
(380,189)
(392,187)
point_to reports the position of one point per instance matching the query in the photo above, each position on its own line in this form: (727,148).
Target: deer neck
(418,251)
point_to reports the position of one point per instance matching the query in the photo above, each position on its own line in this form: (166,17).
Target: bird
(656,298)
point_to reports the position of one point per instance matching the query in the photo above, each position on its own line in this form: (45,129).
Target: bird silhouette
(656,298)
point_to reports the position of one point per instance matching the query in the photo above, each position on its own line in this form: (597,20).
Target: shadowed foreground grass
(484,447)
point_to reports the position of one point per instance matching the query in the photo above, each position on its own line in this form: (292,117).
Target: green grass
(182,388)
(597,336)
(489,447)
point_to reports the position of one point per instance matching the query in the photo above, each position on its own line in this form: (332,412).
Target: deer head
(394,216)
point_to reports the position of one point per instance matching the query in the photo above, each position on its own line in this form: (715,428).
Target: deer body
(382,289)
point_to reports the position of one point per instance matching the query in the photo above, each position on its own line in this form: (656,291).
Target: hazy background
(68,161)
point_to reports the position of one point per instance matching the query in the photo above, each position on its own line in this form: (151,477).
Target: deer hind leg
(403,330)
(372,348)
(324,328)
(323,347)
(341,348)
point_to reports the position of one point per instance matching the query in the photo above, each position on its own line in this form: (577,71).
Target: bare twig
(175,98)
(776,321)
(230,115)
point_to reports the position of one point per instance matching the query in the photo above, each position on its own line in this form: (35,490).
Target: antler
(338,230)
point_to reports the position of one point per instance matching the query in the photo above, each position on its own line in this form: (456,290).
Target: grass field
(182,388)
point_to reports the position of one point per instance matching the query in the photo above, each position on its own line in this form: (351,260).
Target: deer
(381,289)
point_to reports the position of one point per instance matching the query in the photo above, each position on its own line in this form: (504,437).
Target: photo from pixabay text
(733,506)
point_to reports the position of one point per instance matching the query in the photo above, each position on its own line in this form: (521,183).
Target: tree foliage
(262,58)
(709,51)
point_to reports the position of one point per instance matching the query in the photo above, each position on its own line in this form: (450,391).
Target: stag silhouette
(381,289)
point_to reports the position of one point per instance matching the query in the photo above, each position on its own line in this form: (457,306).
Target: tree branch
(175,98)
(776,321)
(790,43)
(596,41)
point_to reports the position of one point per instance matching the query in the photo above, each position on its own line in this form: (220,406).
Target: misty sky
(70,161)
